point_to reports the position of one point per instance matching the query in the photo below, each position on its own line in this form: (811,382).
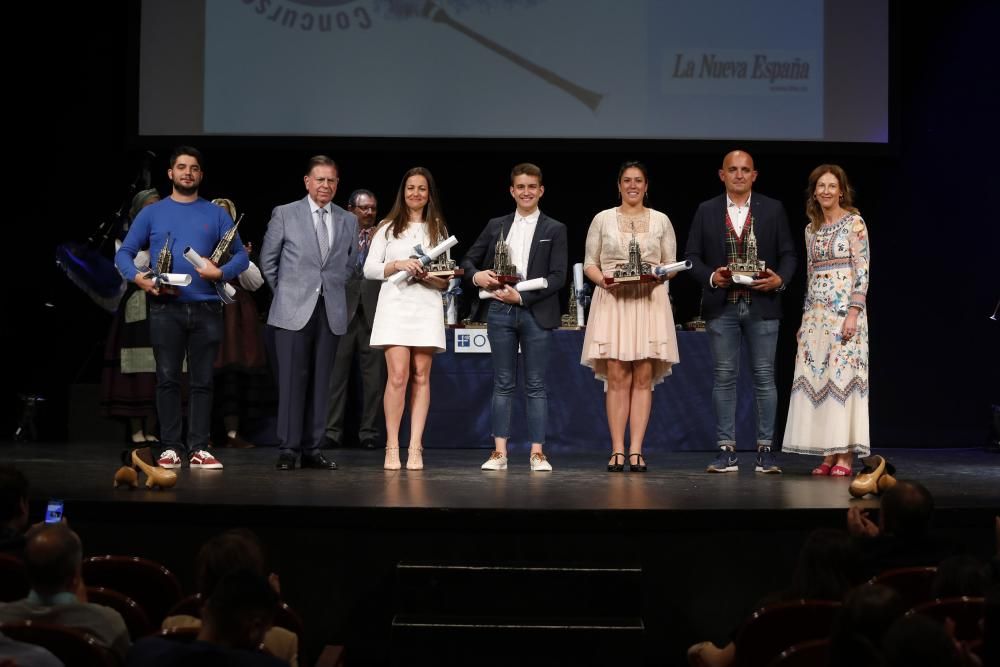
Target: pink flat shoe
(840,471)
(821,469)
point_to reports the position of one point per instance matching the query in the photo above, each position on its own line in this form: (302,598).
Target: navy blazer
(361,291)
(547,258)
(706,248)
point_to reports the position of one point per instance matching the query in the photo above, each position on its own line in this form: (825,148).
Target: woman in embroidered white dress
(409,322)
(828,413)
(630,342)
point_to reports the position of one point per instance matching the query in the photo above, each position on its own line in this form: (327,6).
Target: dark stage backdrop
(927,197)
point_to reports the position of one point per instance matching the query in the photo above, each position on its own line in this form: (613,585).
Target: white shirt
(314,207)
(738,214)
(519,238)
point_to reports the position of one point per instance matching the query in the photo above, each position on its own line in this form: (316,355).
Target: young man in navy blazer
(537,246)
(720,231)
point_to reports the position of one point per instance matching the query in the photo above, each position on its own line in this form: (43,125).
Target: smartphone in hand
(54,511)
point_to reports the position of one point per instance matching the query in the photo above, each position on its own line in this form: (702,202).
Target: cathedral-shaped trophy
(634,270)
(444,267)
(504,269)
(569,320)
(748,267)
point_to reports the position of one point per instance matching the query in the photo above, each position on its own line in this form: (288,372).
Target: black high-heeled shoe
(639,465)
(616,466)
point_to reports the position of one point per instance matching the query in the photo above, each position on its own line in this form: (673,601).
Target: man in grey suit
(362,298)
(307,256)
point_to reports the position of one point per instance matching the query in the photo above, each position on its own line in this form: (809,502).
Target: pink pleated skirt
(631,323)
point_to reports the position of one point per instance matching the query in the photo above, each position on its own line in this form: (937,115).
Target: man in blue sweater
(189,323)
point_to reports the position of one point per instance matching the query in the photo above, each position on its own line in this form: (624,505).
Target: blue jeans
(737,324)
(177,330)
(507,326)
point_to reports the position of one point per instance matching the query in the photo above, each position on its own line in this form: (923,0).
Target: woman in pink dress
(630,342)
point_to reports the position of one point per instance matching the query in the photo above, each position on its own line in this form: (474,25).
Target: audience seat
(913,584)
(150,584)
(966,612)
(812,653)
(13,579)
(74,648)
(134,615)
(776,627)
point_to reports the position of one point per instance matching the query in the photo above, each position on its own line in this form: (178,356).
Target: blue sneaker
(726,461)
(765,462)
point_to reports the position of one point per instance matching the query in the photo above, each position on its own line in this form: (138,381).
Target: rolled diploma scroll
(435,252)
(578,288)
(175,279)
(532,285)
(741,279)
(664,269)
(191,255)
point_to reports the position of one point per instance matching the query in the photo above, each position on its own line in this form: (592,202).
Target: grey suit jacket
(291,264)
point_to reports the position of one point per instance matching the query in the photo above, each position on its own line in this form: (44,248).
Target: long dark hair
(813,209)
(399,216)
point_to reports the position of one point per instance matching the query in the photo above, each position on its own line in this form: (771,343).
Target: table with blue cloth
(682,418)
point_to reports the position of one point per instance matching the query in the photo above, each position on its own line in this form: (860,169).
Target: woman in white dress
(828,413)
(409,321)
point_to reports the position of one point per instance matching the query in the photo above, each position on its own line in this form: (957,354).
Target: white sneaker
(205,461)
(497,461)
(169,460)
(539,463)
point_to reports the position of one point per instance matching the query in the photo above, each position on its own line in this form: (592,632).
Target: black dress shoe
(368,444)
(317,460)
(330,443)
(285,462)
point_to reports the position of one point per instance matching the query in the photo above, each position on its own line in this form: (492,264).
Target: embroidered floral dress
(828,413)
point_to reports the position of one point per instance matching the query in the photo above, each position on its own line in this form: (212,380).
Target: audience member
(53,558)
(917,641)
(13,510)
(827,568)
(961,575)
(860,625)
(21,654)
(235,620)
(902,537)
(232,551)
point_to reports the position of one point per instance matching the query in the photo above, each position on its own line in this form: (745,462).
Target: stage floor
(452,480)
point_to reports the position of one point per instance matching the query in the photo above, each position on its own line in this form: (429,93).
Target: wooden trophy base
(508,280)
(447,274)
(632,280)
